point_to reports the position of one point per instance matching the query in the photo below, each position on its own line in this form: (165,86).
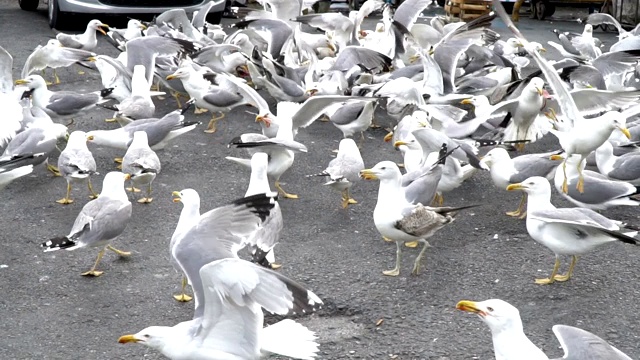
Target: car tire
(441,3)
(29,5)
(57,19)
(215,18)
(508,7)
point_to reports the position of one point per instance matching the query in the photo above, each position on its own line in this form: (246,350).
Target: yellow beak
(176,199)
(518,186)
(469,306)
(398,143)
(127,339)
(21,82)
(171,77)
(556,157)
(102,30)
(414,58)
(466,102)
(143,27)
(626,132)
(540,91)
(388,137)
(127,176)
(90,138)
(543,50)
(368,174)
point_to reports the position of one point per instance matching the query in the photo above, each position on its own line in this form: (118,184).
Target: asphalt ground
(49,311)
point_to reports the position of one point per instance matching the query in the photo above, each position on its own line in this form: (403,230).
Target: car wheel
(441,3)
(508,7)
(29,5)
(57,19)
(215,18)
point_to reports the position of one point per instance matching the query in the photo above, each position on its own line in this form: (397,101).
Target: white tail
(288,338)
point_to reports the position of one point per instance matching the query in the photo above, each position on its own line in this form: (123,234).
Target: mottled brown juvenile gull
(398,220)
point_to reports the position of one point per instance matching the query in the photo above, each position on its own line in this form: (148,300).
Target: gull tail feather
(58,243)
(288,338)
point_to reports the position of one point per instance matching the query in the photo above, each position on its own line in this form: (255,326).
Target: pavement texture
(49,311)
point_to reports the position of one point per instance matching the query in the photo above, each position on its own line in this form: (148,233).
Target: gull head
(265,118)
(514,43)
(411,144)
(498,314)
(154,337)
(495,156)
(536,85)
(32,82)
(533,185)
(186,196)
(182,72)
(384,170)
(136,25)
(98,26)
(588,29)
(617,121)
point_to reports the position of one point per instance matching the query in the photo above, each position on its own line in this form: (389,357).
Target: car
(59,11)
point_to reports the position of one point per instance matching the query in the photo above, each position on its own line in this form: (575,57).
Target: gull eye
(146,336)
(383,168)
(490,309)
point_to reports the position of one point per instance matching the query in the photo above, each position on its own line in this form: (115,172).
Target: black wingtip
(622,237)
(261,204)
(187,106)
(58,243)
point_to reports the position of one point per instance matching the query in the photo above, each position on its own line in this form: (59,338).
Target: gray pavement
(49,311)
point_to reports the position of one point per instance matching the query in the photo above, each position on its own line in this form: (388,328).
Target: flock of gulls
(451,89)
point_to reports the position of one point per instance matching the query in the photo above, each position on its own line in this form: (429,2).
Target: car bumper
(113,7)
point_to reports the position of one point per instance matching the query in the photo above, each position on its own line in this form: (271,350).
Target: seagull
(234,292)
(398,220)
(569,231)
(60,104)
(511,343)
(207,96)
(280,150)
(76,164)
(100,221)
(509,339)
(344,170)
(53,55)
(601,192)
(263,241)
(623,168)
(159,131)
(38,139)
(139,105)
(505,170)
(85,41)
(141,164)
(585,135)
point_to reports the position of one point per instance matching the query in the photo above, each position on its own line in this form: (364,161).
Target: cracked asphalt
(49,311)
